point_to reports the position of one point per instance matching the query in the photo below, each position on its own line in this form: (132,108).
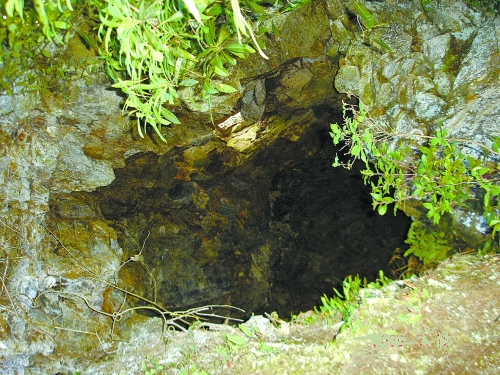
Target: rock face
(248,212)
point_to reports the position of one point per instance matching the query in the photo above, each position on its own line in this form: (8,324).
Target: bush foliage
(432,170)
(151,48)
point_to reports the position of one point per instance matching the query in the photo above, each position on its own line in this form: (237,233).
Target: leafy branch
(151,49)
(430,169)
(347,301)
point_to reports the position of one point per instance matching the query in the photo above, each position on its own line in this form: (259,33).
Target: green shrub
(429,246)
(429,169)
(151,48)
(347,302)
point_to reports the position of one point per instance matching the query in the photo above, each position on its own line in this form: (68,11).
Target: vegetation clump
(430,169)
(151,49)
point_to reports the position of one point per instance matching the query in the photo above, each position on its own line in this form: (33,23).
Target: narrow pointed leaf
(365,15)
(225,88)
(190,4)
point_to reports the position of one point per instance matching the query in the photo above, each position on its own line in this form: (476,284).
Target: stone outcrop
(246,211)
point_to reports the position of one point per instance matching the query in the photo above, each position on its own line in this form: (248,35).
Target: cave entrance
(271,233)
(326,226)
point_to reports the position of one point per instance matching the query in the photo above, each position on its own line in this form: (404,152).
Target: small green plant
(151,367)
(413,303)
(486,249)
(151,49)
(430,169)
(345,303)
(51,15)
(249,332)
(429,246)
(426,4)
(378,283)
(368,23)
(163,49)
(450,63)
(235,341)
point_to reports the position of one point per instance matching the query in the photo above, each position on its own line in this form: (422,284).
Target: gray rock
(384,95)
(428,107)
(347,80)
(399,41)
(478,61)
(442,83)
(435,50)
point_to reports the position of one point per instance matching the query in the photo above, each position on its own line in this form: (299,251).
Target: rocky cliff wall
(238,213)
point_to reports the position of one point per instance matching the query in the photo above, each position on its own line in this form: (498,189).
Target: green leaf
(495,190)
(179,52)
(355,150)
(236,340)
(223,35)
(227,58)
(169,116)
(495,146)
(188,82)
(88,41)
(61,25)
(275,29)
(190,4)
(495,229)
(415,318)
(366,16)
(363,158)
(382,209)
(424,150)
(208,88)
(10,5)
(428,205)
(382,44)
(239,48)
(225,88)
(114,11)
(175,17)
(221,71)
(157,55)
(245,330)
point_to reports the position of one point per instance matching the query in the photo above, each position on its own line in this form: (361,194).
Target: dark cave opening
(273,233)
(327,228)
